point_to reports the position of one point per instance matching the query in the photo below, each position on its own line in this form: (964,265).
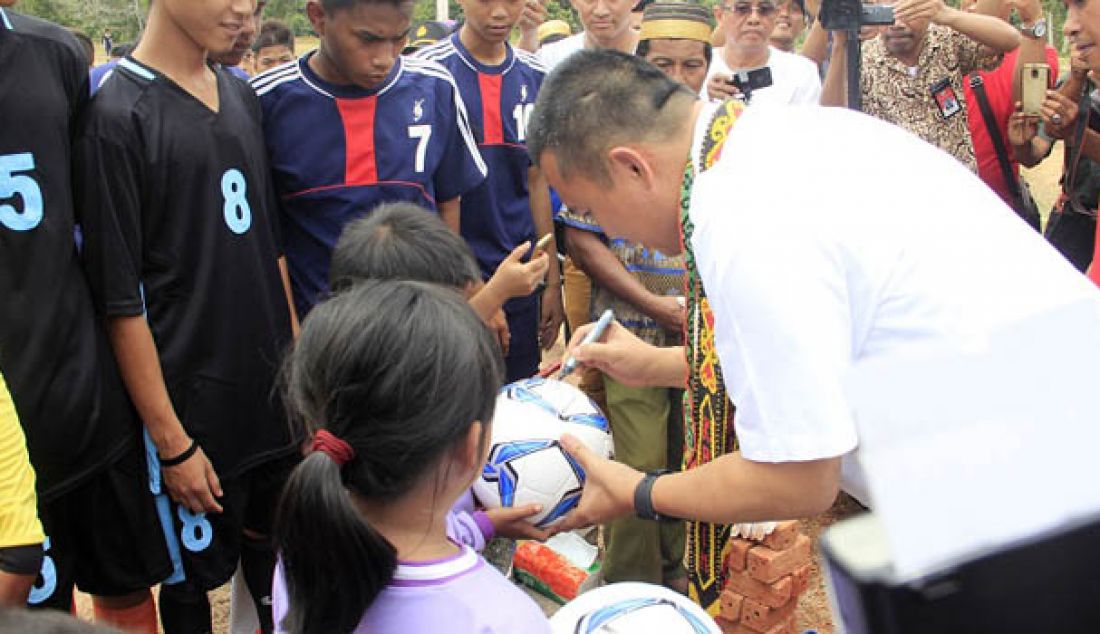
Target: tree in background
(126,18)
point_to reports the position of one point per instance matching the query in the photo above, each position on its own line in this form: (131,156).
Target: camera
(748,81)
(850,15)
(877,15)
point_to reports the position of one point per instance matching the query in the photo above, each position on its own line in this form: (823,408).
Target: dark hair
(597,98)
(340,5)
(86,44)
(642,50)
(118,51)
(274,33)
(400,371)
(402,241)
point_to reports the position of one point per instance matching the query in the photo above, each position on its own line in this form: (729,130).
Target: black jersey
(53,352)
(176,205)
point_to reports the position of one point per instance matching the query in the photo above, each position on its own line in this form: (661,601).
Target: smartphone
(1034,86)
(541,245)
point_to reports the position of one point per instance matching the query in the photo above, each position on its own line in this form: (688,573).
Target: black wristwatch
(643,497)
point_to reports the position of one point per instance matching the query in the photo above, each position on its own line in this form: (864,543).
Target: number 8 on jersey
(238,215)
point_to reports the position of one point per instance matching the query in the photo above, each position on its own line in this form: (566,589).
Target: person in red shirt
(1002,86)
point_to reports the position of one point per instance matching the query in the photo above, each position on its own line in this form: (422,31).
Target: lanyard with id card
(943,93)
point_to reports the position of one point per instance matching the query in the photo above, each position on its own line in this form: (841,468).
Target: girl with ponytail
(403,241)
(398,381)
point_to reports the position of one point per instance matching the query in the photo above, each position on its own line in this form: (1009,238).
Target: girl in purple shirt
(399,380)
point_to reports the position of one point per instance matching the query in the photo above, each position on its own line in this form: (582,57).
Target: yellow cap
(676,21)
(554,27)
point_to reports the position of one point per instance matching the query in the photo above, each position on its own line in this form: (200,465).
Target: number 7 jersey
(337,151)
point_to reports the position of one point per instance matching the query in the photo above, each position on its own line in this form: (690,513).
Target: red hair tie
(339,450)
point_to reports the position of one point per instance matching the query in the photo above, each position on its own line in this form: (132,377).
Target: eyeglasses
(743,9)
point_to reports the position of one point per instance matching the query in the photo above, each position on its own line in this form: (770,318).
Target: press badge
(946,98)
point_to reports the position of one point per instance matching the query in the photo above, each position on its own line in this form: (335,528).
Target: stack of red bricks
(766,578)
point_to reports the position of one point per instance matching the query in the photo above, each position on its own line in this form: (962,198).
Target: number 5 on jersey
(12,185)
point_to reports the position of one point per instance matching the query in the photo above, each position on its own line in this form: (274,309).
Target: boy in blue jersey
(499,84)
(354,124)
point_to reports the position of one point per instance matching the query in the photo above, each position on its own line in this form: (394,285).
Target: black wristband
(182,458)
(643,496)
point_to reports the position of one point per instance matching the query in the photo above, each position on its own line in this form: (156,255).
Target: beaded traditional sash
(708,412)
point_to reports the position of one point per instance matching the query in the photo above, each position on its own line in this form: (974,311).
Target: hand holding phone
(542,244)
(1034,85)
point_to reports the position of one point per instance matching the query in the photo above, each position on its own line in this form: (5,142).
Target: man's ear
(632,166)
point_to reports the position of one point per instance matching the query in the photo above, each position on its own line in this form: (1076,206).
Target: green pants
(648,435)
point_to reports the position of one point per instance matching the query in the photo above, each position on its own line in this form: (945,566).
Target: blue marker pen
(605,320)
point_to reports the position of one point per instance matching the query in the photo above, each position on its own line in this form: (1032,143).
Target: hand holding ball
(526,462)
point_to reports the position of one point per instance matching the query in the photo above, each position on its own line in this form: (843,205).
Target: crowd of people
(258,301)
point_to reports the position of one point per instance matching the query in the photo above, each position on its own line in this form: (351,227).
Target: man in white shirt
(747,25)
(852,266)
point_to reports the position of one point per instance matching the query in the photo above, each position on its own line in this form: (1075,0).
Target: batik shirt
(927,99)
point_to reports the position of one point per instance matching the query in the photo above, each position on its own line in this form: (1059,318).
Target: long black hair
(400,371)
(402,241)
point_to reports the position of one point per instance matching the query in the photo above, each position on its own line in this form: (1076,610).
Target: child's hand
(512,522)
(516,278)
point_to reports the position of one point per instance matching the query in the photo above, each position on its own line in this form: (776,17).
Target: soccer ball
(639,608)
(526,462)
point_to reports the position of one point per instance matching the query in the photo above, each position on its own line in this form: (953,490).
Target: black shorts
(205,548)
(103,535)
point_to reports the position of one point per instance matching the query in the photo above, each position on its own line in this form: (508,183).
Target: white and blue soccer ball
(526,462)
(638,608)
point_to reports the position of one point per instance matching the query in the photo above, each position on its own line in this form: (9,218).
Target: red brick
(760,618)
(800,579)
(783,537)
(739,549)
(729,605)
(771,594)
(769,565)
